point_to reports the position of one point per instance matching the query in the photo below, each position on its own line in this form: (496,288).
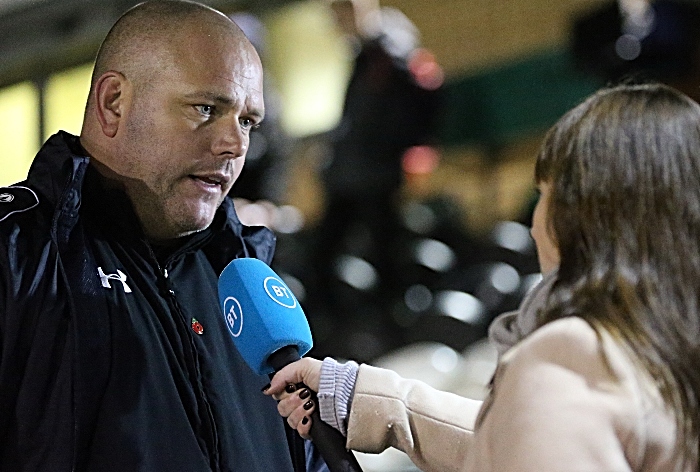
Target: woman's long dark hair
(625,213)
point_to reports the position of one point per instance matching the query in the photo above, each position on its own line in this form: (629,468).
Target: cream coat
(555,406)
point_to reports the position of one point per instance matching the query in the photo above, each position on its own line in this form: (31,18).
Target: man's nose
(230,139)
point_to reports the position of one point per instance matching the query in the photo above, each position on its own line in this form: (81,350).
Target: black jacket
(101,365)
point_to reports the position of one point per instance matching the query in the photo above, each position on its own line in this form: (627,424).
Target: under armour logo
(6,197)
(120,276)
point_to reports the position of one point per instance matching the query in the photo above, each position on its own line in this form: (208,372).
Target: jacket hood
(56,165)
(511,327)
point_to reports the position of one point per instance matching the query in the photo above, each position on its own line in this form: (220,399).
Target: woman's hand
(294,399)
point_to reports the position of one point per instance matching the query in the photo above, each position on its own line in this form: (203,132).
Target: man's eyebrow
(222,99)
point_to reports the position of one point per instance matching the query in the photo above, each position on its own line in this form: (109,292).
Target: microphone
(270,330)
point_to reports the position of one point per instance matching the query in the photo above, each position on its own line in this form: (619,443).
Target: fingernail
(264,389)
(304,393)
(308,405)
(305,420)
(290,388)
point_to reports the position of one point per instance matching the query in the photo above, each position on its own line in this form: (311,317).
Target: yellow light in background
(66,93)
(310,63)
(19,131)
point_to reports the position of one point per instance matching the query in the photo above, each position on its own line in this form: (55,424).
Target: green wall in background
(517,99)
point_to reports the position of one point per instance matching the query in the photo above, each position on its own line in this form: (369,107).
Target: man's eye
(247,123)
(206,110)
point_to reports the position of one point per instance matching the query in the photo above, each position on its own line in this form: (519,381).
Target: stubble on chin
(183,219)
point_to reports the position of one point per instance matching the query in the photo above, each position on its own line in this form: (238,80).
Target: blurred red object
(425,69)
(420,160)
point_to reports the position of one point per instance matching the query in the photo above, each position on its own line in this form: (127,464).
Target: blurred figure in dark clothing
(391,104)
(270,150)
(641,40)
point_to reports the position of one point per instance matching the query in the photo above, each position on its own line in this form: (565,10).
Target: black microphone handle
(329,441)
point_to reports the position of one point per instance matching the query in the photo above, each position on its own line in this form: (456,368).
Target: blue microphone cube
(261,313)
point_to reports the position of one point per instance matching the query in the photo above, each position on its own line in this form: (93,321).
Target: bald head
(146,38)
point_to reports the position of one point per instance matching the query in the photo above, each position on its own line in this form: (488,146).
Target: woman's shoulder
(595,356)
(571,327)
(567,339)
(569,358)
(593,353)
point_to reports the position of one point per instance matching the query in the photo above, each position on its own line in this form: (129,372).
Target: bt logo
(275,289)
(234,316)
(279,292)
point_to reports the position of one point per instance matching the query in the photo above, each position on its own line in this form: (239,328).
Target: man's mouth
(212,180)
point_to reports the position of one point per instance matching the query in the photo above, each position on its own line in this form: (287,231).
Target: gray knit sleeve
(337,385)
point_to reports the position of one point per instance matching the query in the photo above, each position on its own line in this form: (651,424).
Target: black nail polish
(305,420)
(304,394)
(291,388)
(308,405)
(264,389)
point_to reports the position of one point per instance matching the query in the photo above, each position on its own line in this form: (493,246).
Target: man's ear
(110,101)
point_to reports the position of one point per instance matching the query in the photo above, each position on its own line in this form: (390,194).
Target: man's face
(186,132)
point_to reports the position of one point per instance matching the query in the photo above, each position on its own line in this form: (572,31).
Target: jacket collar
(55,167)
(57,175)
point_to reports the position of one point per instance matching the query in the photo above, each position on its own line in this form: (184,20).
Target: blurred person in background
(266,172)
(599,371)
(391,104)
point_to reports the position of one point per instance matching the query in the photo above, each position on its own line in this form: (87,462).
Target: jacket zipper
(169,293)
